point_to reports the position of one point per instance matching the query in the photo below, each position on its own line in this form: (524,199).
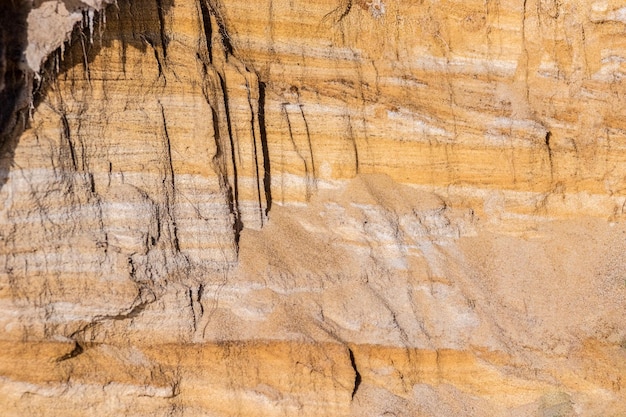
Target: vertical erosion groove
(253,118)
(223,177)
(217,91)
(234,194)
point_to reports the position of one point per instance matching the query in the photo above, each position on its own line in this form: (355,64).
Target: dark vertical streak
(171,198)
(312,176)
(200,293)
(85,59)
(357,375)
(92,186)
(193,313)
(228,47)
(267,176)
(293,142)
(157,58)
(66,136)
(164,39)
(308,138)
(208,30)
(355,148)
(549,148)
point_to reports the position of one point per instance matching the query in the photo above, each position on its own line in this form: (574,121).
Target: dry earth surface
(313,208)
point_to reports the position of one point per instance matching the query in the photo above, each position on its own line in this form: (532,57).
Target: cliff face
(313,208)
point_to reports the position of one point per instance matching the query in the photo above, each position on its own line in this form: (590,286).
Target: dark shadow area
(15,80)
(136,23)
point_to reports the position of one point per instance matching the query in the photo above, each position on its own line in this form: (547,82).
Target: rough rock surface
(329,207)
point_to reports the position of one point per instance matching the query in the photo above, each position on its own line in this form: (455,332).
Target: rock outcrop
(329,207)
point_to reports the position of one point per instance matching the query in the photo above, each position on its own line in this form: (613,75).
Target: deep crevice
(78,349)
(221,27)
(163,35)
(134,312)
(357,375)
(208,30)
(228,47)
(267,174)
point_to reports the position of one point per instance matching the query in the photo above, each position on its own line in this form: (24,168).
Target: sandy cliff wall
(313,208)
